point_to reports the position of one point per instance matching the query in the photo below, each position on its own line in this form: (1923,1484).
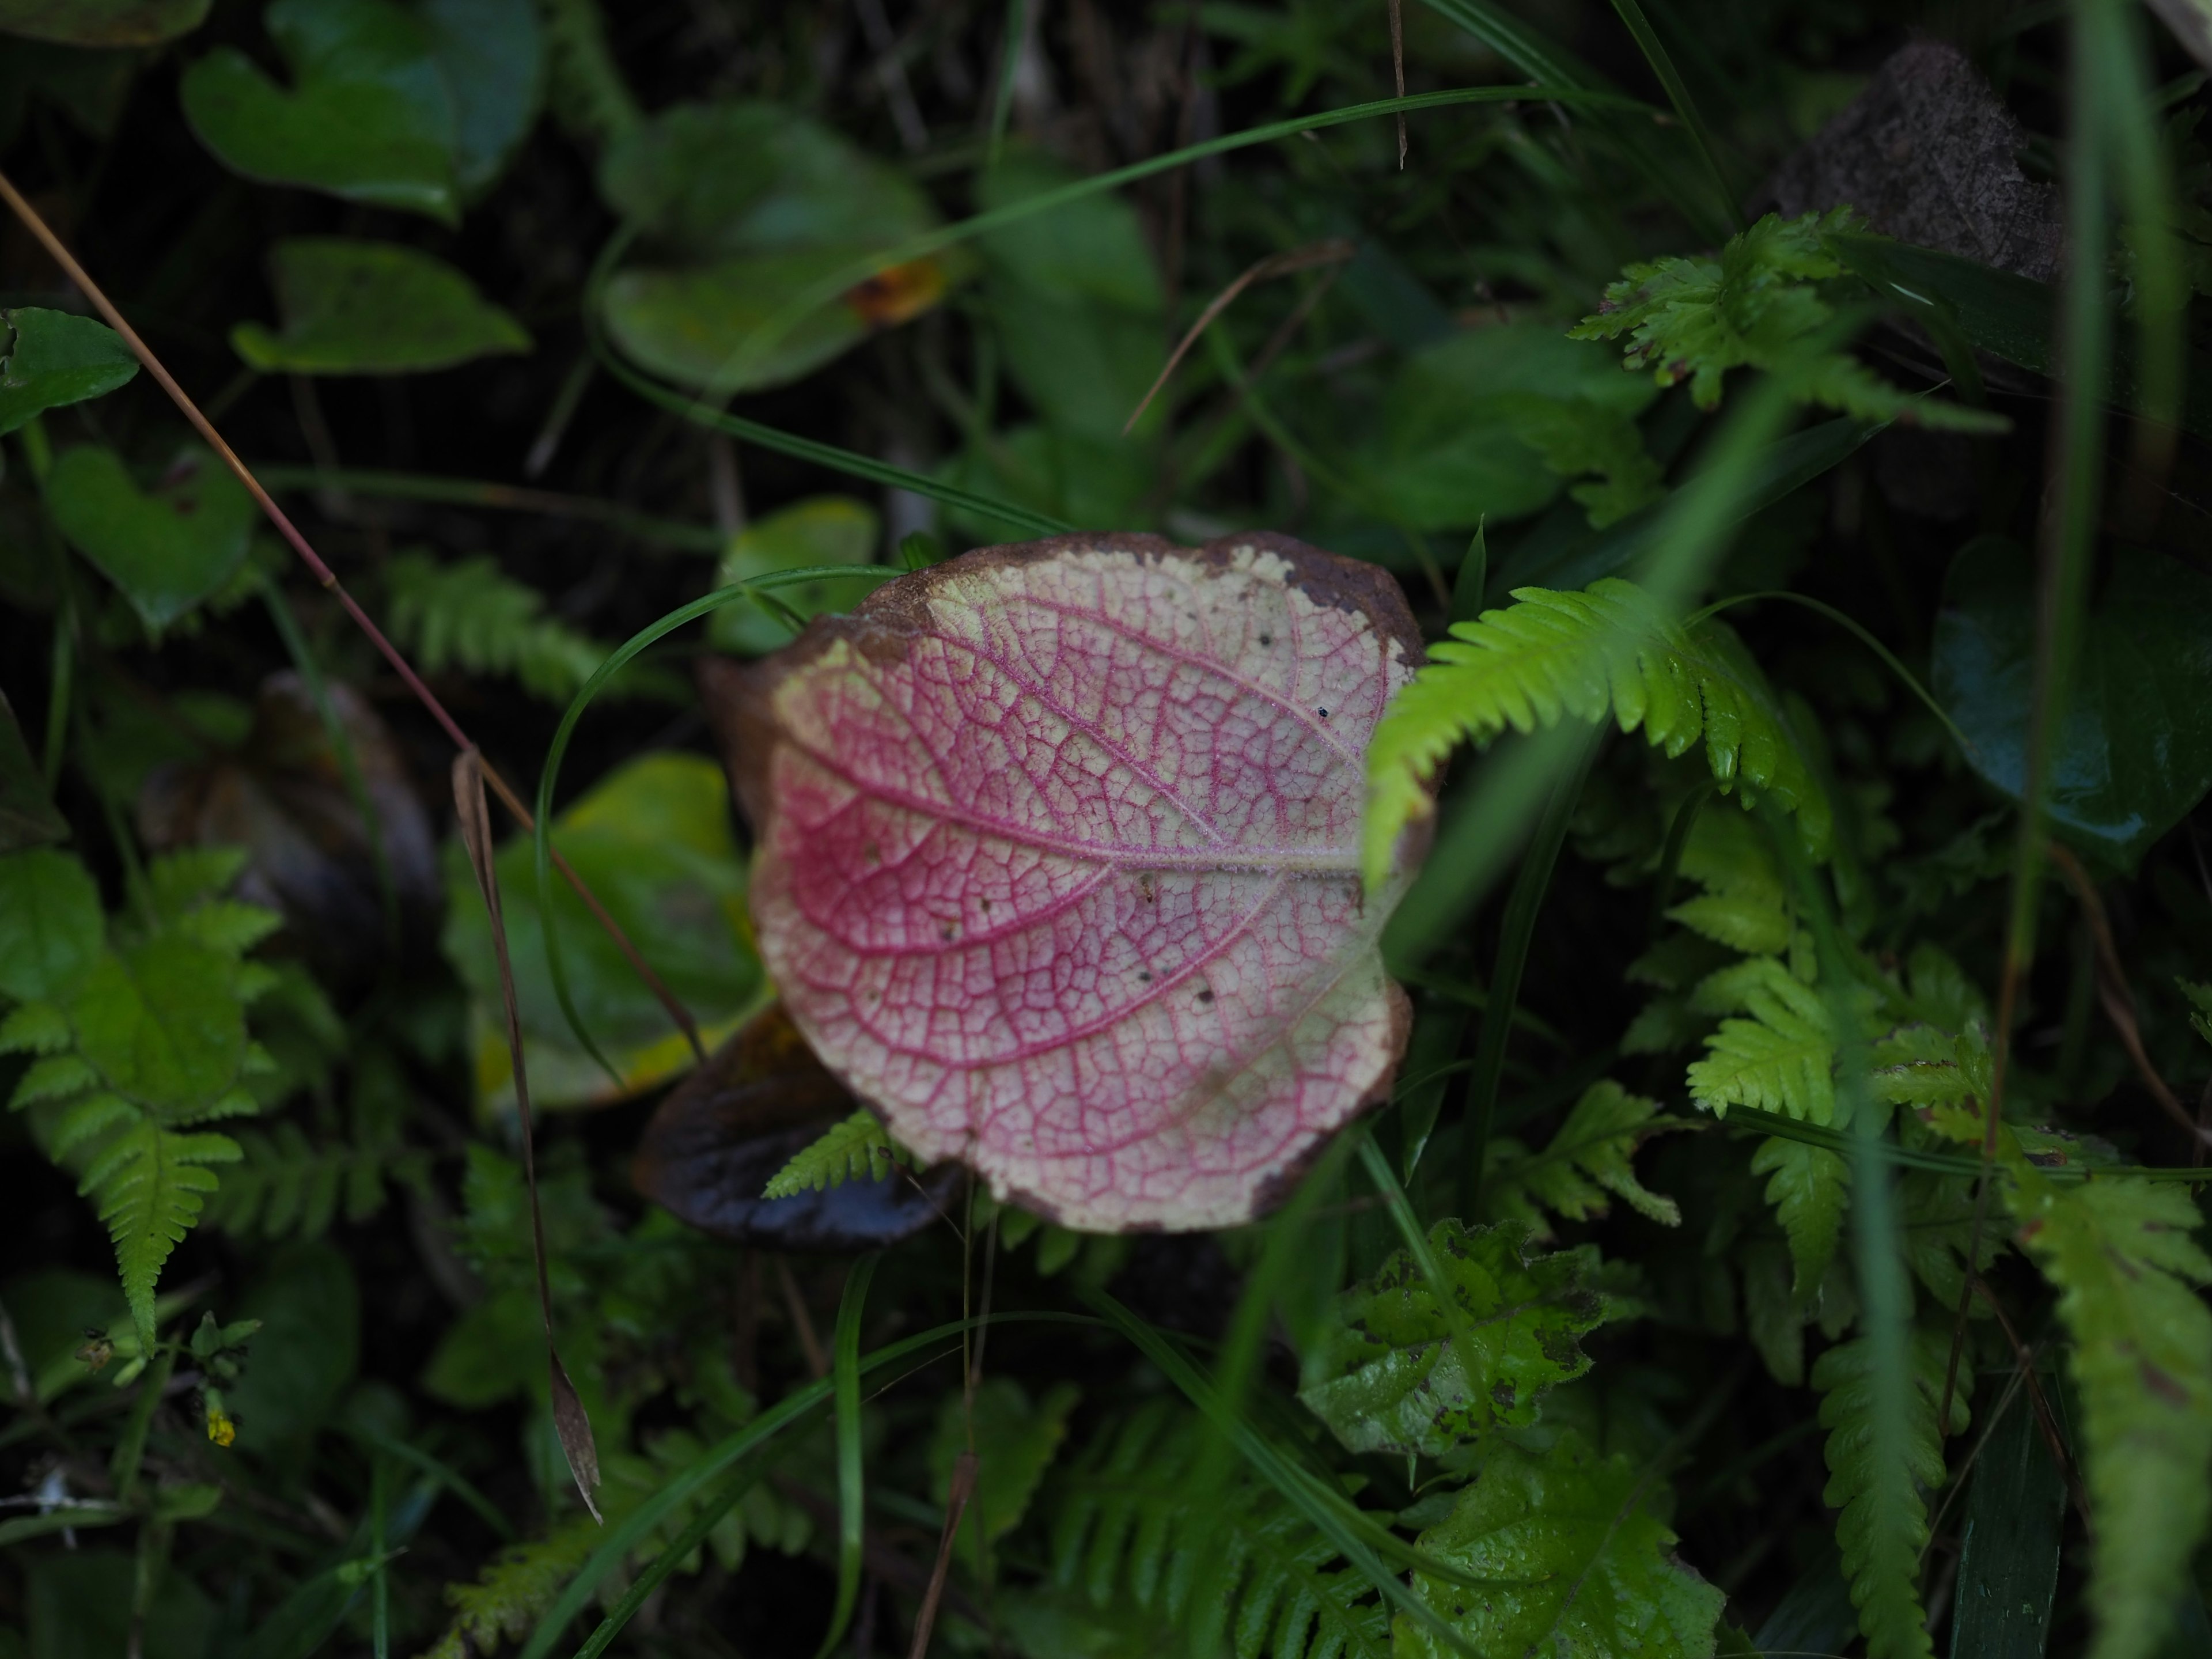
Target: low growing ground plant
(1085,831)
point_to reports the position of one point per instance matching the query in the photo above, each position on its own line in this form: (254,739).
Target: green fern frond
(35,1028)
(287,1186)
(1781,1059)
(1608,651)
(84,1121)
(854,1150)
(57,1077)
(472,615)
(1572,1560)
(1589,1156)
(1746,904)
(1938,1215)
(1774,287)
(149,1185)
(180,881)
(1810,1189)
(1248,1575)
(508,1597)
(228,927)
(2123,1257)
(1884,1525)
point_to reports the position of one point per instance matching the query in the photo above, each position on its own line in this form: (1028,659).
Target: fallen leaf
(102,23)
(1059,856)
(284,796)
(1927,155)
(724,1130)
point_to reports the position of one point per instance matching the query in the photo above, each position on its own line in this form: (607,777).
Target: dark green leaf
(80,1605)
(2008,1551)
(823,530)
(162,1023)
(102,23)
(356,307)
(2135,751)
(168,548)
(1579,1564)
(51,926)
(306,1351)
(747,206)
(54,358)
(369,116)
(492,55)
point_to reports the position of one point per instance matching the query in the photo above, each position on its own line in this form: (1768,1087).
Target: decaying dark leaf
(1930,156)
(285,795)
(725,1130)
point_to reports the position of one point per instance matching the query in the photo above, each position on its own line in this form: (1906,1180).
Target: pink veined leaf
(1059,863)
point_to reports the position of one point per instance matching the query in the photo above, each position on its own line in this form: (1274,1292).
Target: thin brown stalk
(1398,70)
(571,1423)
(1334,250)
(323,573)
(802,1323)
(955,1506)
(2046,1420)
(2119,1000)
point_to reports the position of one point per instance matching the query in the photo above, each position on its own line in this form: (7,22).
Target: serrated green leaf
(35,1028)
(161,1022)
(1604,651)
(1772,289)
(1577,1564)
(55,359)
(1588,1158)
(1810,1189)
(1884,1525)
(856,1149)
(228,927)
(2122,1255)
(1015,1439)
(1395,1381)
(50,927)
(54,1078)
(1781,1059)
(185,877)
(359,307)
(149,1185)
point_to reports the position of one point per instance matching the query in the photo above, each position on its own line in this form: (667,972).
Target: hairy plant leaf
(763,1109)
(749,204)
(50,927)
(1604,651)
(1575,1561)
(166,549)
(54,359)
(1884,1525)
(1397,1380)
(2122,1255)
(351,306)
(1059,863)
(2135,752)
(1591,1156)
(102,23)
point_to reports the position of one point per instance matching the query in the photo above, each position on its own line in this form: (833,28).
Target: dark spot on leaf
(1267,639)
(1324,713)
(1206,996)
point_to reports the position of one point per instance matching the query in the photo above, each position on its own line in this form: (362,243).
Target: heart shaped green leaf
(823,530)
(168,548)
(102,23)
(369,115)
(358,307)
(492,56)
(747,205)
(2135,753)
(54,359)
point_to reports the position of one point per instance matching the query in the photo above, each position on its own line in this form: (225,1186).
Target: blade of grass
(852,1512)
(541,823)
(1516,930)
(1678,93)
(506,498)
(645,1519)
(59,252)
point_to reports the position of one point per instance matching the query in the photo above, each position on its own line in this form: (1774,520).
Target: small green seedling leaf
(823,530)
(54,359)
(167,548)
(360,307)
